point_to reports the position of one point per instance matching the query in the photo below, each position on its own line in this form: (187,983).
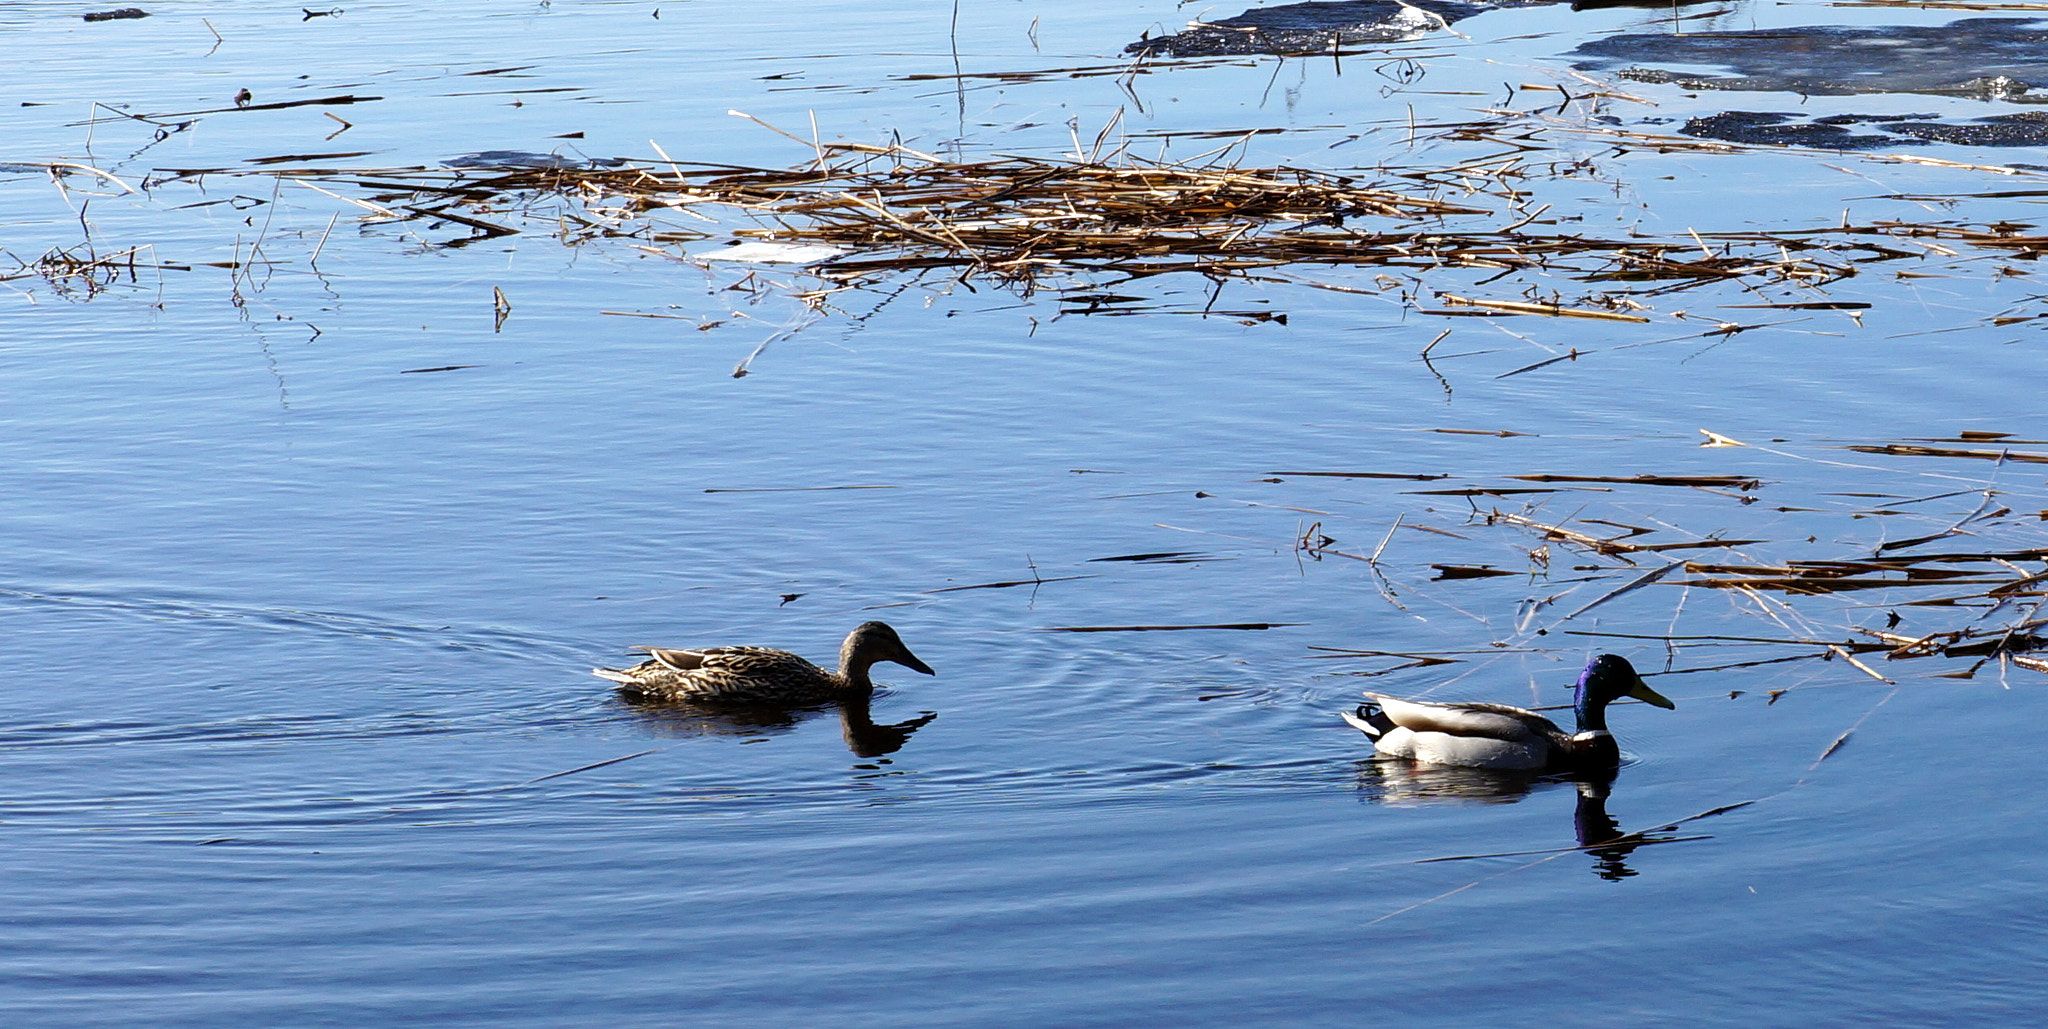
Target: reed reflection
(1400,783)
(863,735)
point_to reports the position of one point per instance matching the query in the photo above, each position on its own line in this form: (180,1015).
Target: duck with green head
(1509,738)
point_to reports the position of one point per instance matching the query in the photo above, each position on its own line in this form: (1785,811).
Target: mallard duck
(762,675)
(1498,736)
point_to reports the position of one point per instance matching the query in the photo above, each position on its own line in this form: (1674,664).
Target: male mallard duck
(761,675)
(1498,736)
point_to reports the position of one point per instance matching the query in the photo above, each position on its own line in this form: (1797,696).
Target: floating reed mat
(854,212)
(1887,572)
(1973,584)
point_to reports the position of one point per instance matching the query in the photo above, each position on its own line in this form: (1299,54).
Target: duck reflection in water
(1601,836)
(1405,784)
(863,735)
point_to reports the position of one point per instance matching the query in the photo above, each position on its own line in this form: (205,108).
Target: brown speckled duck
(762,675)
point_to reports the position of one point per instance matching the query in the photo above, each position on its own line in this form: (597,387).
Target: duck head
(876,641)
(1608,678)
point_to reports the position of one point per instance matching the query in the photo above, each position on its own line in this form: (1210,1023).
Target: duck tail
(622,678)
(1369,719)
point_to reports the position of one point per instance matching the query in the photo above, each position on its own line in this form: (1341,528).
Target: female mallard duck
(761,675)
(1498,736)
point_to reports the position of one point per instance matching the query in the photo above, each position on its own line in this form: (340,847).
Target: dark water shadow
(863,735)
(1647,5)
(1988,59)
(1984,58)
(1405,783)
(1315,28)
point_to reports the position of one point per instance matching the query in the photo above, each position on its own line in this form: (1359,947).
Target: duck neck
(853,670)
(1592,712)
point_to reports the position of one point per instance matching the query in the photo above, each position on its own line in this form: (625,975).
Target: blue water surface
(299,630)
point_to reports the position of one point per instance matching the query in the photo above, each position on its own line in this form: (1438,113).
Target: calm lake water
(298,634)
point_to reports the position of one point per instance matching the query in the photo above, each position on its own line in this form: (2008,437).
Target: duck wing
(1484,721)
(679,660)
(723,673)
(742,660)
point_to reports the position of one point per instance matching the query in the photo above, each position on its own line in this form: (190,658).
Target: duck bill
(910,661)
(1642,691)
